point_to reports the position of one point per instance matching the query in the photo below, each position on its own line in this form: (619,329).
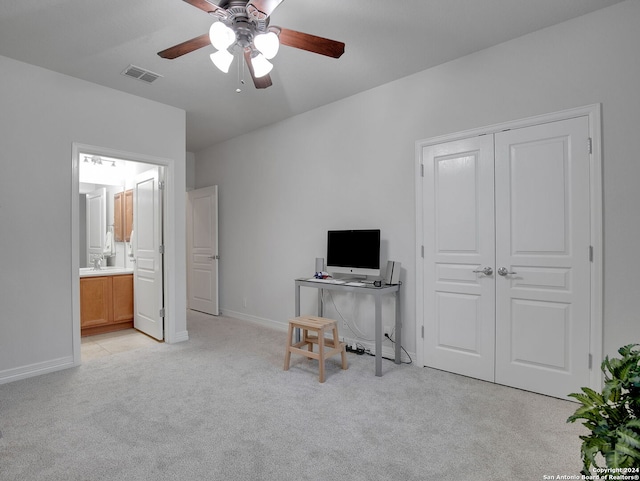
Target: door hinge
(421,170)
(590,360)
(590,253)
(162,312)
(161,185)
(422,251)
(590,145)
(161,249)
(422,332)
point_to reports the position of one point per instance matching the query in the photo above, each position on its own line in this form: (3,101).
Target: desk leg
(297,312)
(378,335)
(398,329)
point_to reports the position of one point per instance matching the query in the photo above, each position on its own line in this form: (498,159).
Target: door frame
(171,302)
(594,114)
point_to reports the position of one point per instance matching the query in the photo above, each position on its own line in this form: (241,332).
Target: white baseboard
(281,326)
(32,370)
(179,337)
(387,351)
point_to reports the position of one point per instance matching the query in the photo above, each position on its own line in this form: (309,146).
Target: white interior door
(96,223)
(459,298)
(525,322)
(202,244)
(542,245)
(147,245)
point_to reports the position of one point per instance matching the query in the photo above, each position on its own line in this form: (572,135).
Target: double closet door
(506,269)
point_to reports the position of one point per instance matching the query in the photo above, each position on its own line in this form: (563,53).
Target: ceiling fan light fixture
(267,43)
(221,36)
(261,66)
(222,59)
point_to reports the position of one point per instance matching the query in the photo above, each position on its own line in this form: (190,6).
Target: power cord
(359,349)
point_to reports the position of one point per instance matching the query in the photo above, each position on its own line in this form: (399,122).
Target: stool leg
(287,355)
(321,353)
(306,338)
(336,343)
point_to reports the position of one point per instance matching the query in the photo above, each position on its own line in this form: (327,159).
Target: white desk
(377,293)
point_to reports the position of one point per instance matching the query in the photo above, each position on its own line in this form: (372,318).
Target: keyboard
(326,281)
(355,284)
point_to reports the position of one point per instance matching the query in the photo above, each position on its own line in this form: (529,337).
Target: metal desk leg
(297,313)
(378,335)
(398,329)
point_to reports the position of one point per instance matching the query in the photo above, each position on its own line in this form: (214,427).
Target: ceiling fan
(245,24)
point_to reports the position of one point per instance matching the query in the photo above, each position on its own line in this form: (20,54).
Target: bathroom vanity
(106,300)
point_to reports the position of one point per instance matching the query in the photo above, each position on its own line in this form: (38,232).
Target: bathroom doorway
(118,175)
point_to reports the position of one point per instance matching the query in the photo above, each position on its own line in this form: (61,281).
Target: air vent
(141,74)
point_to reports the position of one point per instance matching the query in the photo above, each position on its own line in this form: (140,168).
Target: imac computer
(355,252)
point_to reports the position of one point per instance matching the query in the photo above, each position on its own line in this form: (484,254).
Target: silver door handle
(213,258)
(503,271)
(487,271)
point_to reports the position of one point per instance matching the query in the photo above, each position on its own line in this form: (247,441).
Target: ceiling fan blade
(261,9)
(207,7)
(186,47)
(259,82)
(311,43)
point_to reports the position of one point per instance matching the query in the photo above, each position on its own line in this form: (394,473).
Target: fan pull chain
(240,75)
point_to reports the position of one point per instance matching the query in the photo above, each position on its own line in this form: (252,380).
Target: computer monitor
(354,252)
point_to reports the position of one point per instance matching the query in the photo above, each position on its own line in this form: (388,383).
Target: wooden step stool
(319,325)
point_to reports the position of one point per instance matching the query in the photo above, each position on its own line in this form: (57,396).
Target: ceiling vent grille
(141,74)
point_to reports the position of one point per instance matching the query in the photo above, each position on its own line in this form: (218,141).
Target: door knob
(503,271)
(487,271)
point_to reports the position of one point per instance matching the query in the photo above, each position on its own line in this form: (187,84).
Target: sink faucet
(97,263)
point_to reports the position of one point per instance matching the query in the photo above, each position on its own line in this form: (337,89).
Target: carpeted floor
(220,407)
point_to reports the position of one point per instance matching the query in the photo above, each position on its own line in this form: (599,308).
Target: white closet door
(542,245)
(459,301)
(506,271)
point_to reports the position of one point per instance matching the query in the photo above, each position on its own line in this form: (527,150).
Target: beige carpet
(220,407)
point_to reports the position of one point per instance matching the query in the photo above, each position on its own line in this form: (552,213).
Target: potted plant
(613,416)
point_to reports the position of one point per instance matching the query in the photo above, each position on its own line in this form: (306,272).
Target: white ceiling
(96,41)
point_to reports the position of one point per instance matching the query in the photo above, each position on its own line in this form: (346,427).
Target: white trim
(594,113)
(387,351)
(258,320)
(31,370)
(170,253)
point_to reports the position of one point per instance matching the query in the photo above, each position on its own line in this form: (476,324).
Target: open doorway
(143,179)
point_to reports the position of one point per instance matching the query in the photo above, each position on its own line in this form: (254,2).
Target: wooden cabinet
(106,304)
(128,214)
(123,215)
(118,225)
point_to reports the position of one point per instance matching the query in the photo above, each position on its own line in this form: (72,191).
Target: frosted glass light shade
(267,43)
(261,66)
(221,36)
(222,59)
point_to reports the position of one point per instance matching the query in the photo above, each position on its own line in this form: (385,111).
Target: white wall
(351,164)
(42,114)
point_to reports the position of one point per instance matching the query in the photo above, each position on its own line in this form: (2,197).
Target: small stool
(319,325)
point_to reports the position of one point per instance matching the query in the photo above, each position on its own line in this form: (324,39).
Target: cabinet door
(118,224)
(95,301)
(128,214)
(122,298)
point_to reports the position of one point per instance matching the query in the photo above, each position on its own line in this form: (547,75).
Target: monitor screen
(354,252)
